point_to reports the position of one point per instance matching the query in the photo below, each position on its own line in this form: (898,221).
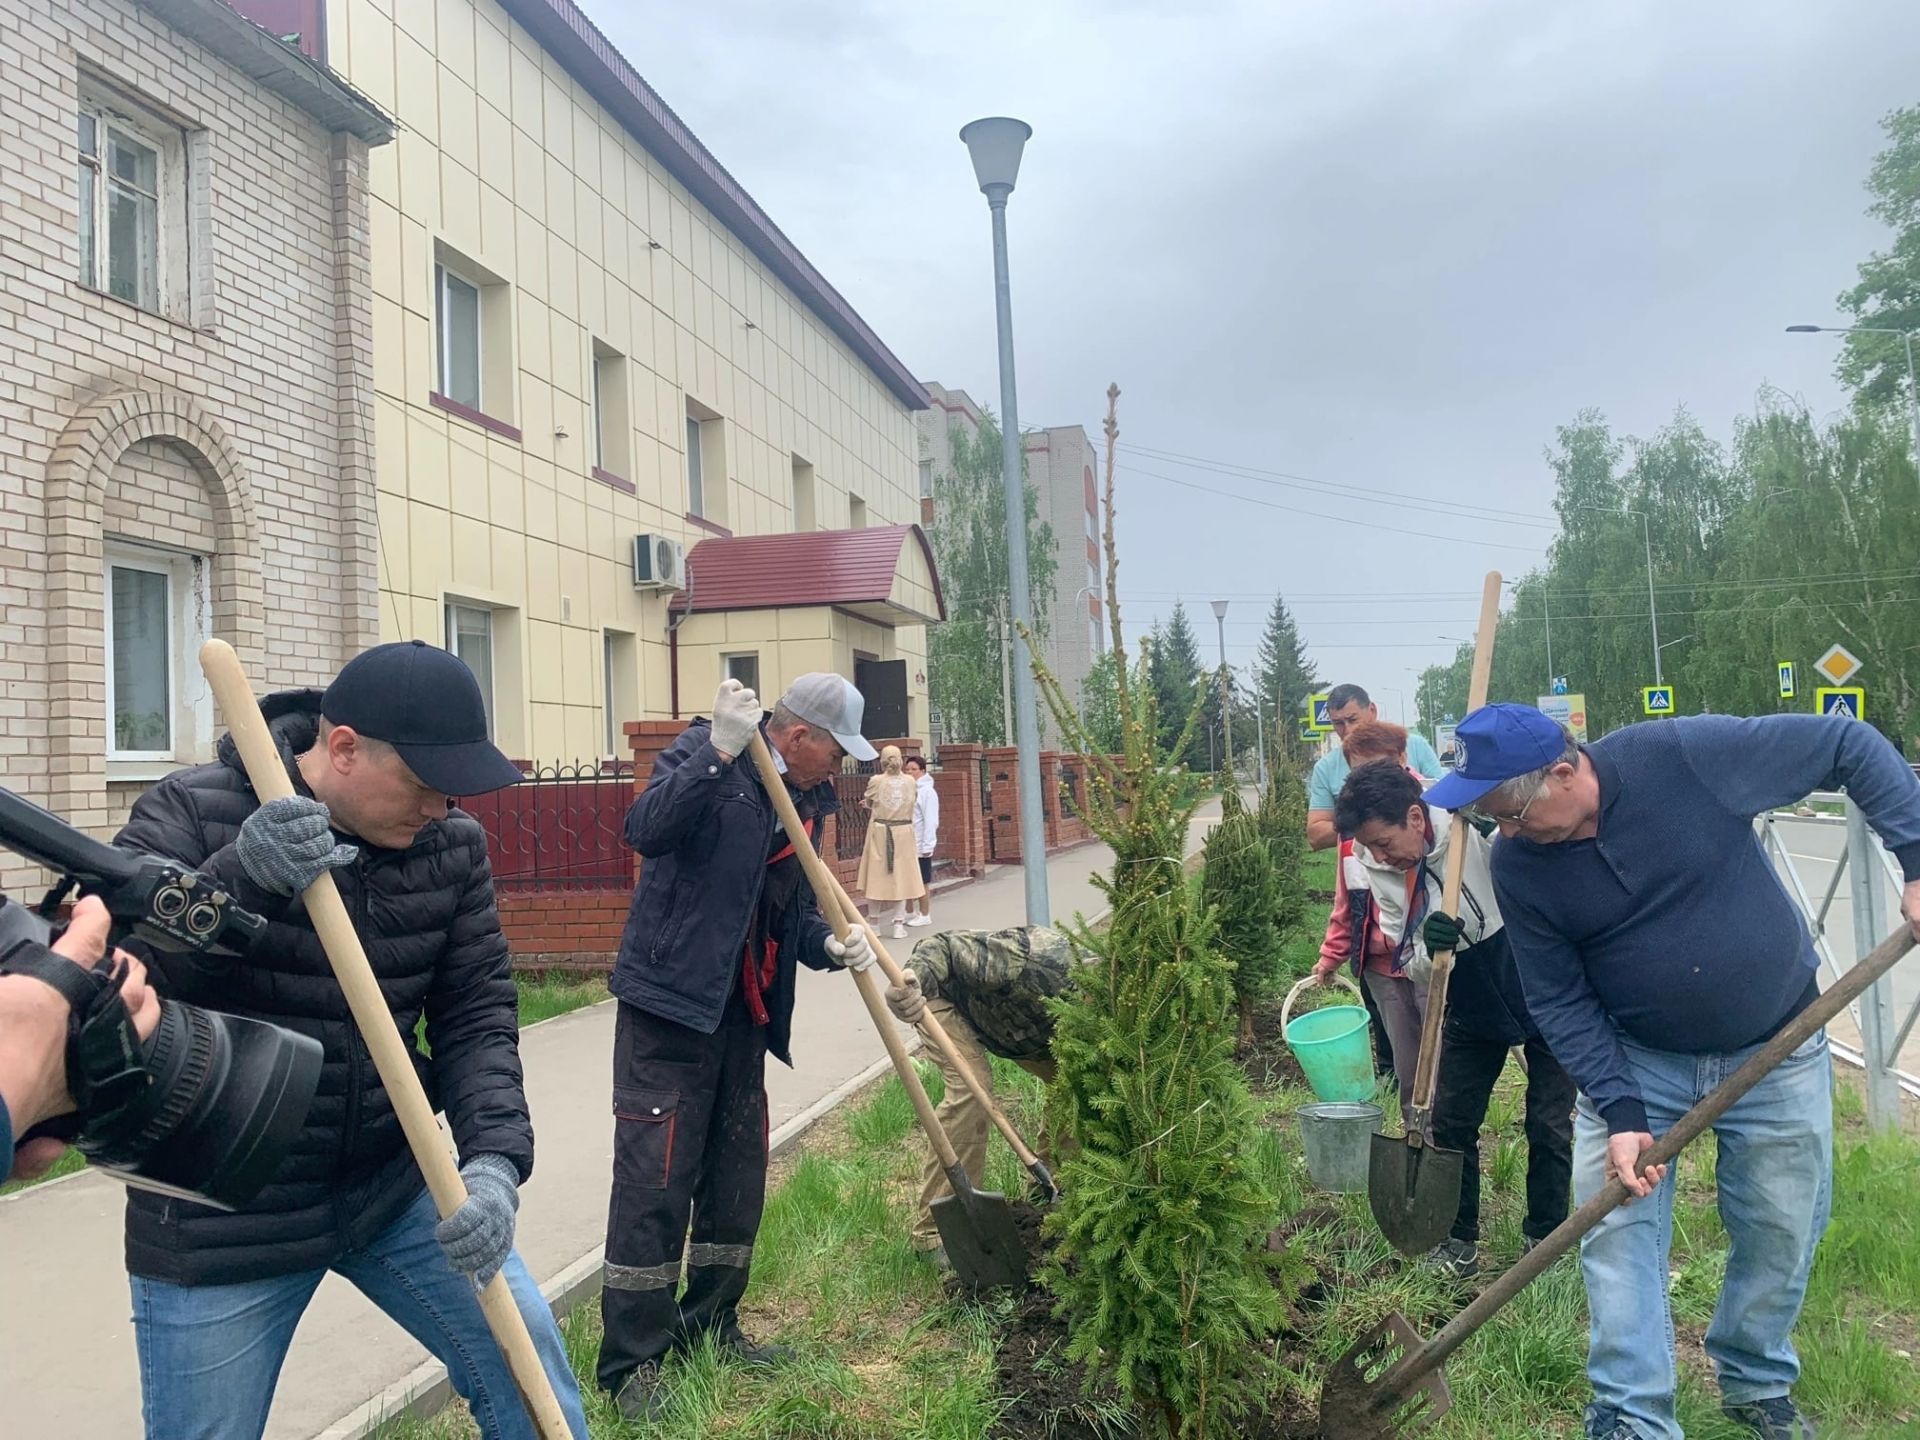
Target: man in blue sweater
(1658,949)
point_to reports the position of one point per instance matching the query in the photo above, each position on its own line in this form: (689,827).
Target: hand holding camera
(33,1033)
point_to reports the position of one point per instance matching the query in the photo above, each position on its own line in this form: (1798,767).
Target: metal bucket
(1337,1136)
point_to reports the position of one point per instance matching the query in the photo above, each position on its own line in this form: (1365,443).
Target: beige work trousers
(964,1118)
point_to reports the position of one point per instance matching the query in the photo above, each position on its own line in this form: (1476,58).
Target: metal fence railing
(560,828)
(1837,856)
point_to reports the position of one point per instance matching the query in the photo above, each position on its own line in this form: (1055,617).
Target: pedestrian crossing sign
(1309,732)
(1786,679)
(1847,700)
(1318,717)
(1657,699)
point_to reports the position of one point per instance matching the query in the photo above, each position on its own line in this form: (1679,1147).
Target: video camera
(205,1107)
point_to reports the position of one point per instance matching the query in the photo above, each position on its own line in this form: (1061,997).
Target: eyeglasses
(1519,819)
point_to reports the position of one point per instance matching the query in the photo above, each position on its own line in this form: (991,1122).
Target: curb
(426,1390)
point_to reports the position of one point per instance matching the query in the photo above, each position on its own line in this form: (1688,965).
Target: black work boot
(1771,1419)
(734,1342)
(643,1397)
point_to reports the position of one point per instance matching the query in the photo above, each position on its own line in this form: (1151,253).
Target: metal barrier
(560,828)
(1869,874)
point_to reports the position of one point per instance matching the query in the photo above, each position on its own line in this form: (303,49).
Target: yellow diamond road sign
(1838,665)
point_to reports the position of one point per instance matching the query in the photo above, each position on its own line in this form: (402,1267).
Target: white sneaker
(899,930)
(921,920)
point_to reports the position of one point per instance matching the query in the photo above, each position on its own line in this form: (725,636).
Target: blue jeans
(210,1355)
(1775,1185)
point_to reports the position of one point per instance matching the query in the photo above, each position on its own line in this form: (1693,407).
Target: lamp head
(995,144)
(1220,609)
(1803,329)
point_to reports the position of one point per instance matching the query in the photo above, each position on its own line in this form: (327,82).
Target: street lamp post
(995,145)
(1653,607)
(1913,376)
(1226,711)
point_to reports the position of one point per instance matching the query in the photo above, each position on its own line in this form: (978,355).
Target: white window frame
(443,273)
(696,470)
(856,513)
(727,668)
(619,687)
(109,113)
(489,686)
(189,625)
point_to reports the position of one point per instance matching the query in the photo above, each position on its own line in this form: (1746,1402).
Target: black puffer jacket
(427,919)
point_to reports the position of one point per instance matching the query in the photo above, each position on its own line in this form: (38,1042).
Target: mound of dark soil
(1269,1063)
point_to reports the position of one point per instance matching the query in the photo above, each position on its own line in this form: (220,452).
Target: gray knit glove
(478,1236)
(287,844)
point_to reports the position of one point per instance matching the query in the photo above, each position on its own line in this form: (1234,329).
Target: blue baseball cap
(1494,744)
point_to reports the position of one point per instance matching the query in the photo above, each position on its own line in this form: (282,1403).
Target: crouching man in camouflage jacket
(990,990)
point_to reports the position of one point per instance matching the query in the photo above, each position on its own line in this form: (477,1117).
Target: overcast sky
(1376,245)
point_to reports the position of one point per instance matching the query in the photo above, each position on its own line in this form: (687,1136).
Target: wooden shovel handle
(931,1027)
(1428,1069)
(822,881)
(391,1057)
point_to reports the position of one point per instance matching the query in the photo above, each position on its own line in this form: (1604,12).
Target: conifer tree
(1238,882)
(1160,1268)
(1283,824)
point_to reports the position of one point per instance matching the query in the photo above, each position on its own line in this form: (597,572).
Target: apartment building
(603,378)
(186,399)
(1061,469)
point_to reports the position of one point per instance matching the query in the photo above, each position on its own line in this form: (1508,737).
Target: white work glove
(852,953)
(736,716)
(905,1000)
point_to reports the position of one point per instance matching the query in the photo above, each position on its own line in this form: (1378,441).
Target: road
(1814,846)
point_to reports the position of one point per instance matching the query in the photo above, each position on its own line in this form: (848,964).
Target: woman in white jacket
(926,836)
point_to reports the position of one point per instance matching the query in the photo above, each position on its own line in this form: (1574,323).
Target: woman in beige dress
(890,864)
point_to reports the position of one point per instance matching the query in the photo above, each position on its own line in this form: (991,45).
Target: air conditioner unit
(659,563)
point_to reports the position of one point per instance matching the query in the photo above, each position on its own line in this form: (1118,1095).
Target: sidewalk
(67,1362)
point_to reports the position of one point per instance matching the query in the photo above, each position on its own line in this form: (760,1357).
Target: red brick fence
(564,876)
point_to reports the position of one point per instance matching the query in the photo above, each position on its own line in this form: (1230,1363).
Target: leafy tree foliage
(1887,295)
(969,538)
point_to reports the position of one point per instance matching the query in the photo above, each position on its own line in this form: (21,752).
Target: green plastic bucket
(1334,1046)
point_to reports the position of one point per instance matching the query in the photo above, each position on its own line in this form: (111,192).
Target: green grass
(555,993)
(883,1352)
(67,1164)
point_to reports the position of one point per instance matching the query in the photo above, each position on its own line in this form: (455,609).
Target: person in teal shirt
(1348,706)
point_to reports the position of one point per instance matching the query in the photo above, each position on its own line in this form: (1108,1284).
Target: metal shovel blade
(1414,1190)
(1357,1403)
(982,1241)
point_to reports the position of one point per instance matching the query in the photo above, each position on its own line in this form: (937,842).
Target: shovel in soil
(1390,1383)
(977,1227)
(1413,1186)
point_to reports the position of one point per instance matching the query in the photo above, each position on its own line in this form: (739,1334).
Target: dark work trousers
(1469,1066)
(1382,1046)
(689,1147)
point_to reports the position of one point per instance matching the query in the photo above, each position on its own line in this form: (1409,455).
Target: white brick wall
(243,435)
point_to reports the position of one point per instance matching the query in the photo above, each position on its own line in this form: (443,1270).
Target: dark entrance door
(883,683)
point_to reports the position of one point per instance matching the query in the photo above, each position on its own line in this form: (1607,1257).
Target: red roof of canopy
(821,567)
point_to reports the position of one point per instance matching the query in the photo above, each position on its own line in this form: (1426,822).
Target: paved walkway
(67,1363)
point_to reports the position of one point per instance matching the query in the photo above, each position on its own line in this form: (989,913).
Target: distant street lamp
(995,145)
(1226,712)
(1913,377)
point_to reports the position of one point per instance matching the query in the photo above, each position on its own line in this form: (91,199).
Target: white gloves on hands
(905,1000)
(853,953)
(736,715)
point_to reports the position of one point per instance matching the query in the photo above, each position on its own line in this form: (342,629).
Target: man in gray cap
(705,980)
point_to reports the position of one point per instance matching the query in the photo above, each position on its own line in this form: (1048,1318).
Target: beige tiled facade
(583,244)
(215,429)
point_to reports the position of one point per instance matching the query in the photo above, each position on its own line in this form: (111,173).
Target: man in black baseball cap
(216,1296)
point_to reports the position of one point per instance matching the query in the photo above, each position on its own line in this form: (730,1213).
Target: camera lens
(225,1097)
